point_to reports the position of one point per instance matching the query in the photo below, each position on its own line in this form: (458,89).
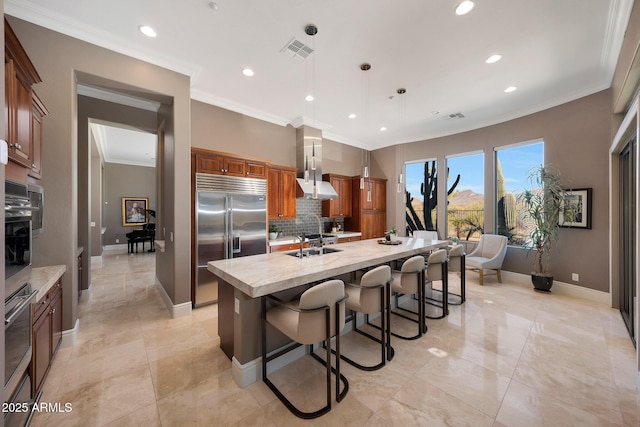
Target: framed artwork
(134,210)
(575,211)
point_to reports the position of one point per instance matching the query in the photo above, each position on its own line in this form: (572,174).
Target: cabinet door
(9,101)
(38,111)
(56,321)
(379,195)
(41,350)
(234,167)
(345,197)
(256,169)
(22,147)
(288,190)
(273,194)
(373,224)
(206,163)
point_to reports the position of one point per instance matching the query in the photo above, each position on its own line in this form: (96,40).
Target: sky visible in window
(516,164)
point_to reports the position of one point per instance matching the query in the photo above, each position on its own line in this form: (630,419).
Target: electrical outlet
(117,240)
(575,277)
(171,236)
(236,305)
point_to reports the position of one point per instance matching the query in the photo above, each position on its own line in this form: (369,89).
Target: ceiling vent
(296,49)
(454,116)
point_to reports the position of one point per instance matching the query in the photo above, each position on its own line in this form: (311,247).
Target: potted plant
(392,234)
(273,233)
(540,209)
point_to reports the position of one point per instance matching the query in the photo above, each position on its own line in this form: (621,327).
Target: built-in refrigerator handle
(236,247)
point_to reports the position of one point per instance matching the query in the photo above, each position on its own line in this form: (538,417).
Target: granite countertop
(288,240)
(43,278)
(265,274)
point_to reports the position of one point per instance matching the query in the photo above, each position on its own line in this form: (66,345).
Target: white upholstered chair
(457,262)
(488,255)
(317,316)
(371,296)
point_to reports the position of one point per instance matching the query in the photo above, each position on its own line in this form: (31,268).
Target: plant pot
(542,282)
(393,237)
(273,236)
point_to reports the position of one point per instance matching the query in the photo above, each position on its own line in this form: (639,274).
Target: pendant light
(365,105)
(311,30)
(401,93)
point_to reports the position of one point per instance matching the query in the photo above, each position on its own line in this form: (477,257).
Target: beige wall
(60,60)
(2,124)
(125,181)
(577,137)
(214,128)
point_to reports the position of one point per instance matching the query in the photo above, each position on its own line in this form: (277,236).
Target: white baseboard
(69,336)
(176,310)
(97,259)
(251,372)
(117,248)
(563,288)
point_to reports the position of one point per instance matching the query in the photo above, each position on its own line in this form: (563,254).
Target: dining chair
(488,255)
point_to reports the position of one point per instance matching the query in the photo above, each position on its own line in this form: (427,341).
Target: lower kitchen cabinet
(47,334)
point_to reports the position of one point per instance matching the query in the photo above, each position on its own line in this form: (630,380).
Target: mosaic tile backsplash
(304,224)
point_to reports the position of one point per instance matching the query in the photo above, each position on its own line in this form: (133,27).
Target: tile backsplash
(304,224)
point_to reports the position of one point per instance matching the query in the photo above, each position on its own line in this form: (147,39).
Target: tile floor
(507,357)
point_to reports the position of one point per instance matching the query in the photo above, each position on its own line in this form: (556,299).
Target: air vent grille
(456,116)
(296,49)
(230,184)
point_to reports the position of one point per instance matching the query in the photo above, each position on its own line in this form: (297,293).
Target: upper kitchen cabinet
(281,192)
(218,163)
(23,111)
(368,207)
(340,207)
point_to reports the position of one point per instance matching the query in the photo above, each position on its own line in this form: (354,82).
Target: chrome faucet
(319,227)
(301,238)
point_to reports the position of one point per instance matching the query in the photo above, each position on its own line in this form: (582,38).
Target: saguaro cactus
(506,209)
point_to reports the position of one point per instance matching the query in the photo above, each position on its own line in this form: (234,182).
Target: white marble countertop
(265,274)
(288,240)
(43,278)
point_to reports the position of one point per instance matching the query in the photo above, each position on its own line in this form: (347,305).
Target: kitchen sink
(313,252)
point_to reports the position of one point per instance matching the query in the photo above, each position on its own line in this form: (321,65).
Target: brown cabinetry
(287,247)
(369,213)
(349,239)
(281,192)
(23,111)
(340,207)
(47,334)
(217,163)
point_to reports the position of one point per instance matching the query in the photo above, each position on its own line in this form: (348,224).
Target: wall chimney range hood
(309,161)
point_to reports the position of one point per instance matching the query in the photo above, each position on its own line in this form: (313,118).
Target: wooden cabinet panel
(46,335)
(234,167)
(340,207)
(368,216)
(217,163)
(287,247)
(38,112)
(41,350)
(349,239)
(256,169)
(20,76)
(281,189)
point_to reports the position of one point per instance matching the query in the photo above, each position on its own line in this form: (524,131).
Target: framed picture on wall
(575,211)
(134,210)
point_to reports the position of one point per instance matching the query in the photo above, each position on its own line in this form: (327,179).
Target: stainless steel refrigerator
(231,222)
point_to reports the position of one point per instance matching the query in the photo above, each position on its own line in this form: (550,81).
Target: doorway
(627,233)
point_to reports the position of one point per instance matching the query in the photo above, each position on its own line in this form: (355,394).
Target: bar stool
(372,296)
(437,269)
(317,316)
(410,280)
(457,265)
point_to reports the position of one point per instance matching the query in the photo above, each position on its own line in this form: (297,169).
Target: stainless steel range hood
(309,161)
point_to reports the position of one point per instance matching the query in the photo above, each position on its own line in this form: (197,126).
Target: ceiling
(552,51)
(124,145)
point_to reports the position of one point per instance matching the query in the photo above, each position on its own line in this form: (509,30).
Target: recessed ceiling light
(352,116)
(435,112)
(308,98)
(493,59)
(464,7)
(247,72)
(213,5)
(147,31)
(383,128)
(510,89)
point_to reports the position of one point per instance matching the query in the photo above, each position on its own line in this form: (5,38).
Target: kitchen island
(242,281)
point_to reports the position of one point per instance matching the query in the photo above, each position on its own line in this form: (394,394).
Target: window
(465,197)
(421,195)
(513,165)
